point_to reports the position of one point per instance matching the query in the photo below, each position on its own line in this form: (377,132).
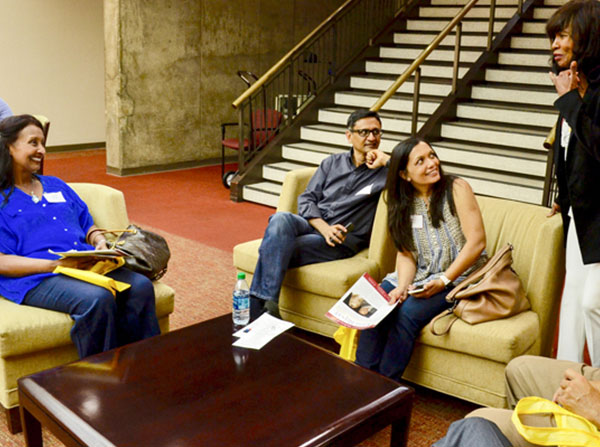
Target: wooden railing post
(456,57)
(415,110)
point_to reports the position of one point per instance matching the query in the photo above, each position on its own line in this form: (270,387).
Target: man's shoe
(272,308)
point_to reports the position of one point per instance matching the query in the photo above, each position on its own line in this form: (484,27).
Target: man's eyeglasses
(364,133)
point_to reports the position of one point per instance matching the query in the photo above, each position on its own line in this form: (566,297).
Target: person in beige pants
(575,386)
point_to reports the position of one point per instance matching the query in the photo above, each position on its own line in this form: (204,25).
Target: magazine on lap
(363,306)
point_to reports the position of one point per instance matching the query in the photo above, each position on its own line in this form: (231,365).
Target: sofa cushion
(330,279)
(25,329)
(499,340)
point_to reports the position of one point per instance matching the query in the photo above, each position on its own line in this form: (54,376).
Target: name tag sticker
(54,197)
(417,220)
(365,191)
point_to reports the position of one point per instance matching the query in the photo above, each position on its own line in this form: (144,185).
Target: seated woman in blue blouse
(40,213)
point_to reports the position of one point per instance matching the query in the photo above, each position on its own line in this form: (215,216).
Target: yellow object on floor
(95,275)
(571,429)
(348,340)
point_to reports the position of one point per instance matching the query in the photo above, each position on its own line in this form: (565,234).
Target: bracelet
(445,280)
(89,237)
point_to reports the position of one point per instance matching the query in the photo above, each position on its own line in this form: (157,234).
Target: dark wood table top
(190,387)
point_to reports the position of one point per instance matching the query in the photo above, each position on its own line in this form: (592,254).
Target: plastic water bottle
(241,301)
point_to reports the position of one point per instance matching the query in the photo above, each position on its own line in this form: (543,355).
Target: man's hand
(376,159)
(579,395)
(566,80)
(333,234)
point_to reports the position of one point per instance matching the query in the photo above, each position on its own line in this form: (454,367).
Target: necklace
(34,197)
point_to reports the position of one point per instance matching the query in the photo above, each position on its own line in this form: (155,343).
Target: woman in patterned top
(437,228)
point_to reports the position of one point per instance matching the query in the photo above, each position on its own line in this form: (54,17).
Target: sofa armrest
(106,204)
(294,184)
(381,246)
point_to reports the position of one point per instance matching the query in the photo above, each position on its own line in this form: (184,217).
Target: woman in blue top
(437,228)
(41,213)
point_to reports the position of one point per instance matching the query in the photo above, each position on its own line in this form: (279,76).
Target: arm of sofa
(381,246)
(294,184)
(106,204)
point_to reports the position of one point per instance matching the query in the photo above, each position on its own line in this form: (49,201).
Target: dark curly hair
(10,128)
(400,196)
(582,17)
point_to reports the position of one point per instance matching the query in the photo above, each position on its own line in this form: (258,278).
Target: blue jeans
(473,432)
(387,347)
(102,322)
(290,241)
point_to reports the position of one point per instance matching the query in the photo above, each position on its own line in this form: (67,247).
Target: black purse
(145,252)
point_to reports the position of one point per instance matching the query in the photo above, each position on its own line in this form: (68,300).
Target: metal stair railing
(309,68)
(550,189)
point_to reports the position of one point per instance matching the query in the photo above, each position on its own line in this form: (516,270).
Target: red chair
(264,125)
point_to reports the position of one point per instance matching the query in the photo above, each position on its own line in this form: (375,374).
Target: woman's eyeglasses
(364,133)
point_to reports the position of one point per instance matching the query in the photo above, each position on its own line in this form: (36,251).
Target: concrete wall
(52,64)
(171,71)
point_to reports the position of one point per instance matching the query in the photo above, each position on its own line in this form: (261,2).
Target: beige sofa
(467,363)
(33,339)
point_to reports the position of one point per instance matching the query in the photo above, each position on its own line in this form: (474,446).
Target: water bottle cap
(241,275)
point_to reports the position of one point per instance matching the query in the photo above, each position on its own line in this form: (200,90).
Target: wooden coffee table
(190,387)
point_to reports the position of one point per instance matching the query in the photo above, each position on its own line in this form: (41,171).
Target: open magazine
(363,306)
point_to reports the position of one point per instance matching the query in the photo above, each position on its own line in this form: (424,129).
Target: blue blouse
(59,222)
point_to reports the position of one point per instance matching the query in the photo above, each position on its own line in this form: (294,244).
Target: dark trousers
(102,322)
(290,241)
(388,346)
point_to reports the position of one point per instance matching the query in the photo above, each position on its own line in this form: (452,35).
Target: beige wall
(171,71)
(53,64)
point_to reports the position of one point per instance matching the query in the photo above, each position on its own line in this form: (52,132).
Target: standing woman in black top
(574,32)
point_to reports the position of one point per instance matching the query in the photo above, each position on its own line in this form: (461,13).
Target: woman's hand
(431,288)
(81,263)
(100,244)
(566,80)
(554,210)
(399,294)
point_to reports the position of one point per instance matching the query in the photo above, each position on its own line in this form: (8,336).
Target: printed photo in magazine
(363,306)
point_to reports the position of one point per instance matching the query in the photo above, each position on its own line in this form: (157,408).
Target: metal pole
(456,56)
(415,111)
(491,27)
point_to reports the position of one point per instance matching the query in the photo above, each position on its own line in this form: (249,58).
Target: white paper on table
(261,331)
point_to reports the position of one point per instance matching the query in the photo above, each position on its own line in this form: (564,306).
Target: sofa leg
(13,420)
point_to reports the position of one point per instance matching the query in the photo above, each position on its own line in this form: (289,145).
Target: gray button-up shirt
(341,193)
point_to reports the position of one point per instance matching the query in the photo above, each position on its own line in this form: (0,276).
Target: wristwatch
(445,280)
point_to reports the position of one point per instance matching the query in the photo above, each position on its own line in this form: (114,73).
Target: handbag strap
(479,273)
(116,232)
(448,326)
(571,429)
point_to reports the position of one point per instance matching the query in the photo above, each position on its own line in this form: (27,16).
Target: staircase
(496,139)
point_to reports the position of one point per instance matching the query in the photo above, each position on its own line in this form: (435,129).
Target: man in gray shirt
(344,190)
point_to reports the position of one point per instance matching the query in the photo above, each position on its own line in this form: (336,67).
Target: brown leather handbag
(491,292)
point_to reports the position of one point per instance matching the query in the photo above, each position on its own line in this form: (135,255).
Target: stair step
(514,94)
(433,70)
(276,172)
(428,86)
(479,12)
(469,25)
(478,40)
(397,103)
(543,13)
(442,53)
(265,193)
(336,135)
(391,122)
(507,113)
(534,27)
(511,136)
(490,158)
(525,75)
(530,42)
(309,153)
(498,185)
(531,58)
